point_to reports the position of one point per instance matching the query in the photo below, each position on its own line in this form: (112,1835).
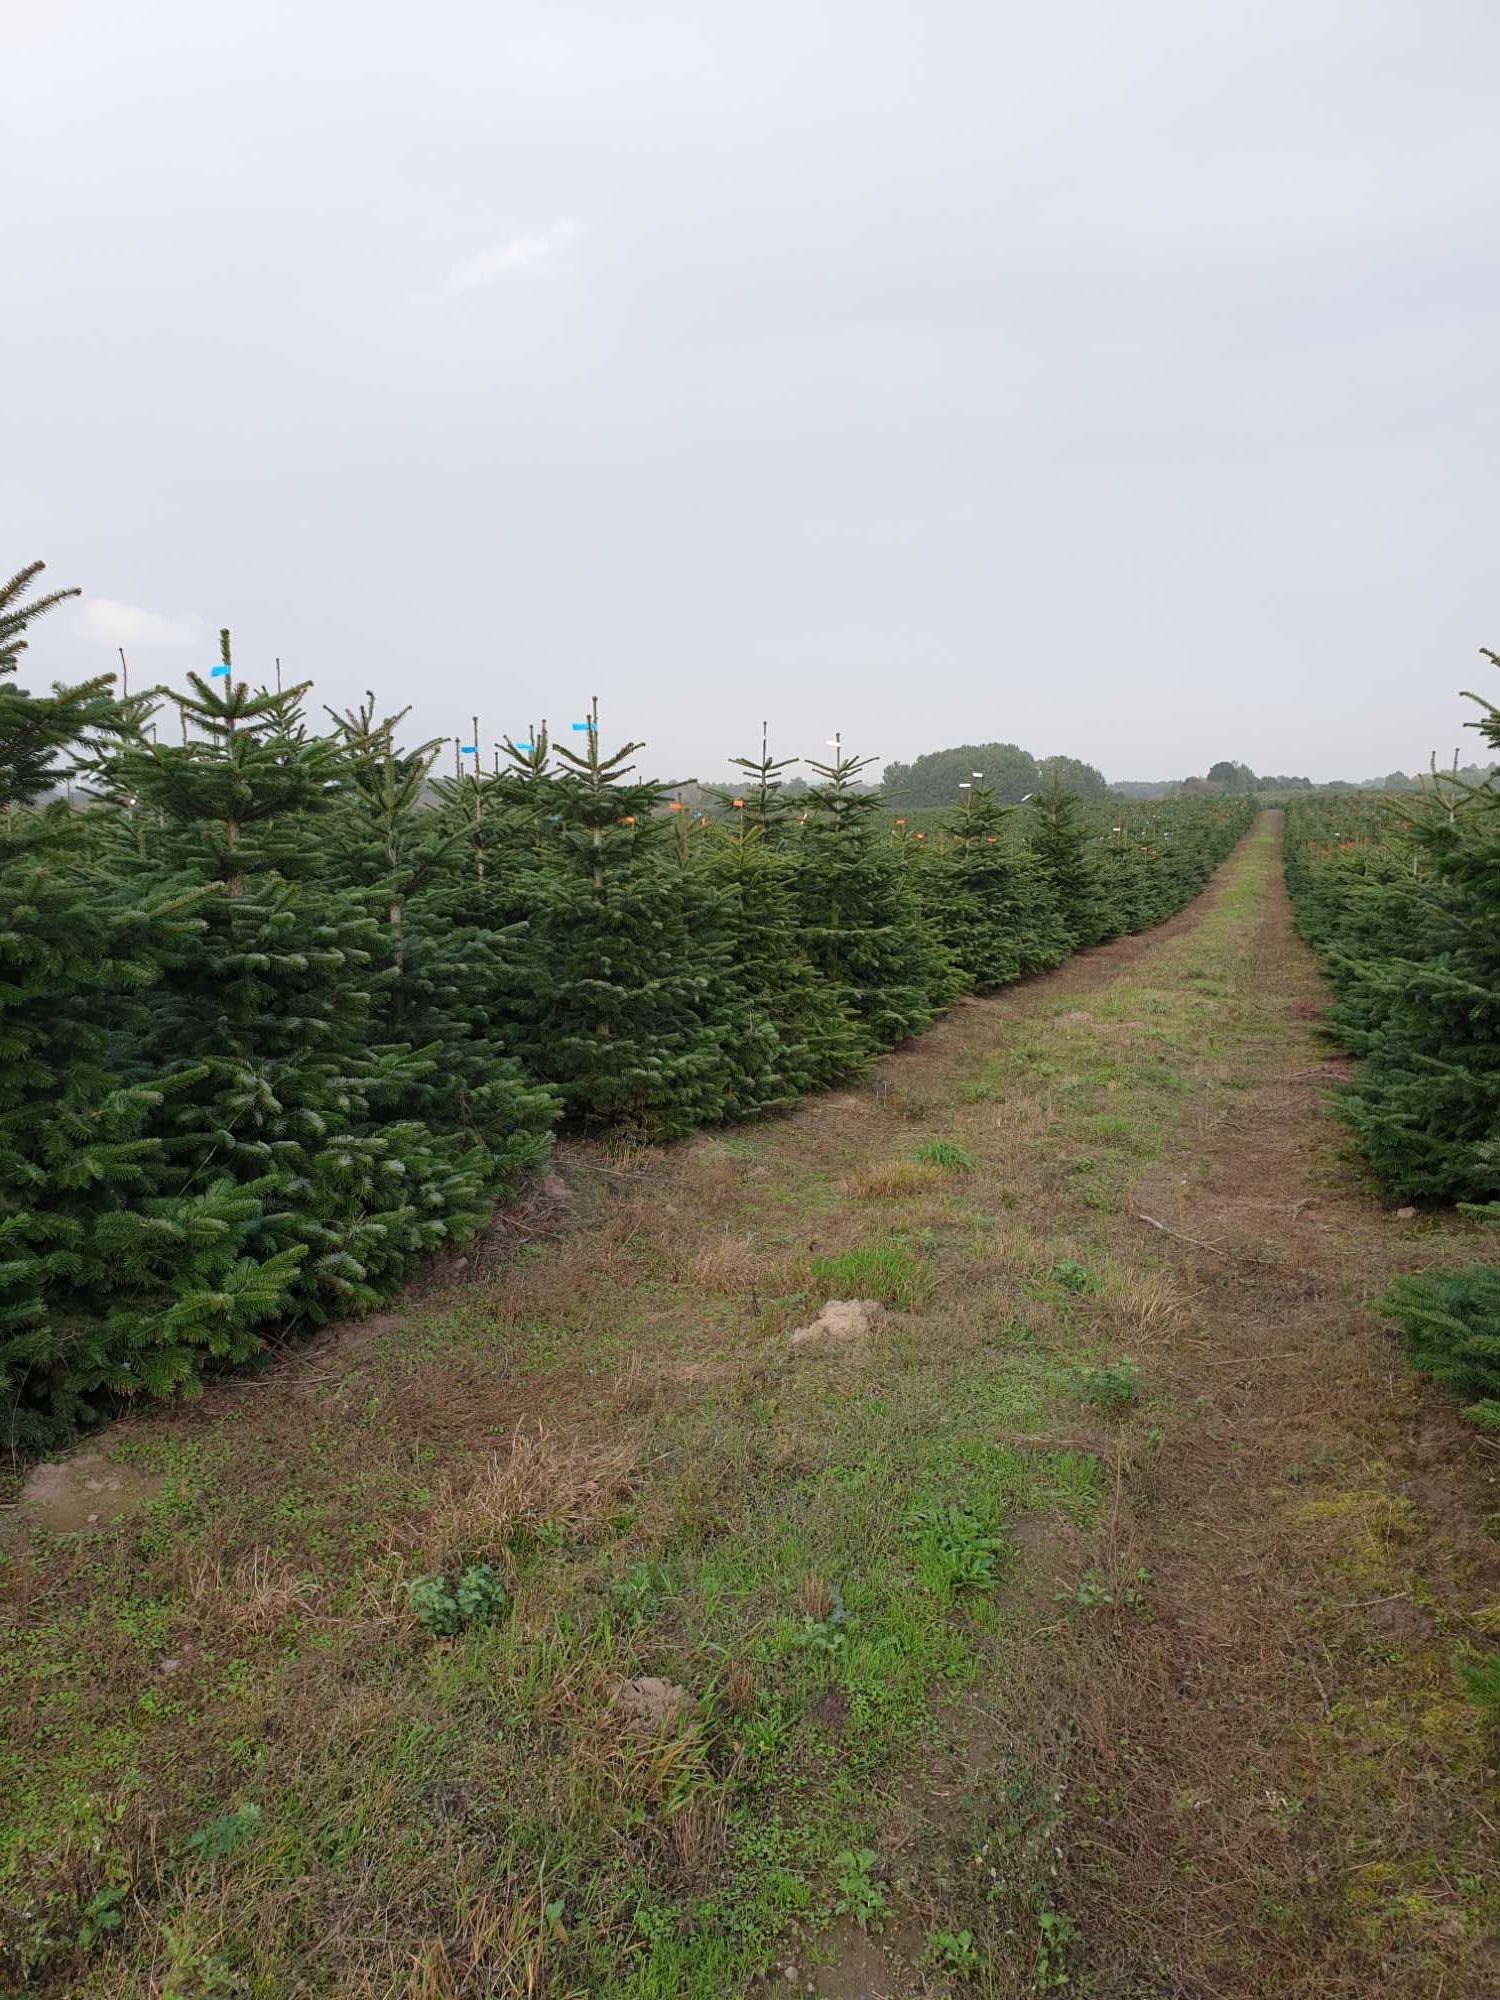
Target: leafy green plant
(824,1629)
(951,1951)
(860,1895)
(1114,1387)
(1072,1277)
(225,1835)
(956,1550)
(104,1912)
(447,1604)
(945,1154)
(1057,1935)
(1095,1591)
(635,1595)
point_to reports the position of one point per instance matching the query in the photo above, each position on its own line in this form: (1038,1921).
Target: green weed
(944,1153)
(1114,1388)
(955,1550)
(1071,1277)
(860,1895)
(950,1951)
(446,1605)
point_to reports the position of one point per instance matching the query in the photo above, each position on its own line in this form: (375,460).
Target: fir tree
(442,987)
(994,907)
(752,848)
(298,1100)
(1061,842)
(109,1284)
(628,1012)
(860,924)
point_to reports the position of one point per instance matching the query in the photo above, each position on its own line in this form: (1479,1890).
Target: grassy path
(1085,1626)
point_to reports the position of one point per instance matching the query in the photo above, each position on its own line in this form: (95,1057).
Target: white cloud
(516,257)
(111,623)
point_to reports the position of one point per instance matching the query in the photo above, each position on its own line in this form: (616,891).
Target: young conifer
(994,906)
(860,923)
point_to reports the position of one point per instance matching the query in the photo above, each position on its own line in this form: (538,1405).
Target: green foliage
(1481,1682)
(1450,1324)
(951,1951)
(955,1549)
(992,903)
(631,1007)
(891,1272)
(860,1894)
(1073,1277)
(933,780)
(226,1835)
(944,1153)
(463,1601)
(1400,897)
(861,921)
(1114,1387)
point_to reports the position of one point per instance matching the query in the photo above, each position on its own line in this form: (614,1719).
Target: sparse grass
(945,1154)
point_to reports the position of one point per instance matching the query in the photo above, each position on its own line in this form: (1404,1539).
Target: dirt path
(1286,1793)
(1087,1625)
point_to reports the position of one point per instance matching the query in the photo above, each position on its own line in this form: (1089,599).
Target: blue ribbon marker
(581,725)
(469,749)
(218,673)
(525,746)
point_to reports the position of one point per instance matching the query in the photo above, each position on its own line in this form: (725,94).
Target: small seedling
(943,1153)
(448,1604)
(1056,1936)
(101,1915)
(951,1951)
(1095,1591)
(860,1895)
(826,1634)
(635,1594)
(1116,1387)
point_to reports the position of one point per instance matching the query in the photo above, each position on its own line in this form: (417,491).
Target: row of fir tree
(1400,898)
(284,1007)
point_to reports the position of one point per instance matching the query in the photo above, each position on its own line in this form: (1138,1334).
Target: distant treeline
(1011,773)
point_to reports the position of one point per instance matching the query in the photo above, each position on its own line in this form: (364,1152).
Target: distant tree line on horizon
(1013,774)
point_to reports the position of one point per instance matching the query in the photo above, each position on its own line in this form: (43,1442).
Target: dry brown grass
(727,1264)
(542,1483)
(257,1594)
(897,1180)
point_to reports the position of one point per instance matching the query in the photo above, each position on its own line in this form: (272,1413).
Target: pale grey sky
(1114,379)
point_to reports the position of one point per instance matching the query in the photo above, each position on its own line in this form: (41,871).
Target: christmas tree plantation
(286,1009)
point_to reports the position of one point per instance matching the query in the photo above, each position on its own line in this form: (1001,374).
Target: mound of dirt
(841,1322)
(84,1492)
(649,1706)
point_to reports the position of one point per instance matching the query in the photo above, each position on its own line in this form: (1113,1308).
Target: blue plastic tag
(582,725)
(525,746)
(469,749)
(218,673)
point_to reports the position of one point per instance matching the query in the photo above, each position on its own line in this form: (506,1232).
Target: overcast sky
(1117,379)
